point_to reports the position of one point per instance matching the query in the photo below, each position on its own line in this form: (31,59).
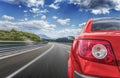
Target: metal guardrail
(15,41)
(11,50)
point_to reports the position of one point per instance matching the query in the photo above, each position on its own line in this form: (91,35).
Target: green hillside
(15,35)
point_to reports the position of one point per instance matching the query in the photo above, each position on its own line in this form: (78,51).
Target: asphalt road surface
(49,61)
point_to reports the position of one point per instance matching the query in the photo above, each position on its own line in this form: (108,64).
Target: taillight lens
(97,51)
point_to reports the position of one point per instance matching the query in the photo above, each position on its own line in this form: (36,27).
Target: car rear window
(106,25)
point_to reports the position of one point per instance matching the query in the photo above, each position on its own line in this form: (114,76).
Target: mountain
(65,39)
(44,36)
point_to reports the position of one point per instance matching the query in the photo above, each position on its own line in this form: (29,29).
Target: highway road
(48,61)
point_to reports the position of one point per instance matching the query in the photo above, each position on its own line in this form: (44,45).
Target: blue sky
(54,18)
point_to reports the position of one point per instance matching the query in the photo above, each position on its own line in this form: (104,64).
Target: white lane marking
(68,46)
(19,53)
(67,51)
(28,64)
(65,45)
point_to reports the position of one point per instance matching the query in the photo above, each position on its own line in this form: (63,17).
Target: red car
(95,53)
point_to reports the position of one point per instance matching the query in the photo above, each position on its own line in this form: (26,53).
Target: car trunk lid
(112,37)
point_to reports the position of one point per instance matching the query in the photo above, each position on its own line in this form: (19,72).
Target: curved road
(48,61)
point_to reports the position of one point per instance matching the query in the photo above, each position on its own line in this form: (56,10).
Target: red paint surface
(88,67)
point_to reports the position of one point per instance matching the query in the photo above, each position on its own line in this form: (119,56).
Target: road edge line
(28,64)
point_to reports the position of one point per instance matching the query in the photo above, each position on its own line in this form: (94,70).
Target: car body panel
(83,66)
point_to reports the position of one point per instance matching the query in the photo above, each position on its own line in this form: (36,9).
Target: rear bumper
(78,75)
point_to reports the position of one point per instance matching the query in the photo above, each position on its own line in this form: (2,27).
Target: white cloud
(69,32)
(73,25)
(38,11)
(11,1)
(39,27)
(64,33)
(33,26)
(33,6)
(28,3)
(82,24)
(54,6)
(75,1)
(19,6)
(43,24)
(97,6)
(6,25)
(56,1)
(26,19)
(34,10)
(117,4)
(63,21)
(43,17)
(25,11)
(100,11)
(6,17)
(54,17)
(31,3)
(44,11)
(117,7)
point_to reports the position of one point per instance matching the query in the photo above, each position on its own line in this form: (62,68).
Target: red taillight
(97,51)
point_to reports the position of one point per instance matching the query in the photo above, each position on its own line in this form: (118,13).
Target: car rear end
(95,52)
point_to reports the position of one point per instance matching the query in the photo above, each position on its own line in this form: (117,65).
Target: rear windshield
(109,25)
